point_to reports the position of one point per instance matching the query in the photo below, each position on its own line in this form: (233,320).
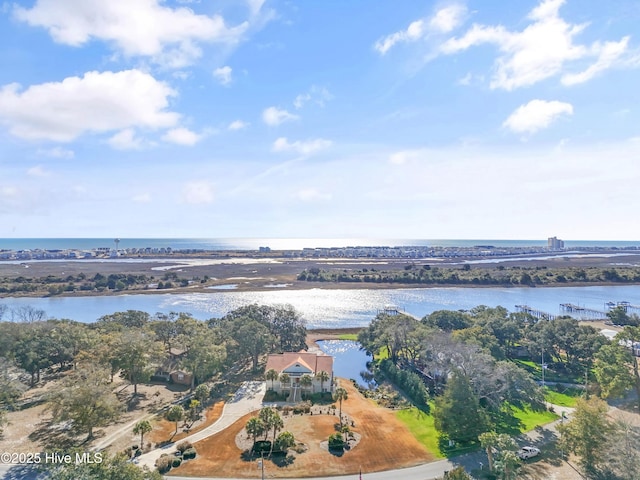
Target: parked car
(528,452)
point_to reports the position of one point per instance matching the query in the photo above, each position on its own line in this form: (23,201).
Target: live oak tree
(85,398)
(137,351)
(616,368)
(205,354)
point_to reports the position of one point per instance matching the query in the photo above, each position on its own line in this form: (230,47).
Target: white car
(528,452)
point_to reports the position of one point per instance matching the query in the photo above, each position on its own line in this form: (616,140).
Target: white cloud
(608,54)
(142,198)
(317,95)
(448,19)
(273,116)
(57,152)
(405,156)
(443,21)
(97,102)
(536,115)
(198,193)
(125,140)
(169,36)
(540,51)
(38,171)
(238,125)
(301,147)
(182,136)
(312,195)
(223,75)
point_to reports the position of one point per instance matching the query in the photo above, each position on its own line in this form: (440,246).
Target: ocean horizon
(217,244)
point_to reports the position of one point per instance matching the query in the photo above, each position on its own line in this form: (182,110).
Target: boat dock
(627,306)
(583,313)
(539,314)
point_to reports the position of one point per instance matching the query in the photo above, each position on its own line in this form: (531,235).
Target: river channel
(331,308)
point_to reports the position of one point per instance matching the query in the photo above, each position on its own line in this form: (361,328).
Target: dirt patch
(385,443)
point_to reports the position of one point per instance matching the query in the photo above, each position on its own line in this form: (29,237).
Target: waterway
(330,308)
(349,361)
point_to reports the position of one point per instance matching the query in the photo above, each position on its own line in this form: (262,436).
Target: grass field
(565,397)
(421,425)
(348,336)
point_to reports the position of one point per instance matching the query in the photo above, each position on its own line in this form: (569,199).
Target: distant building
(554,243)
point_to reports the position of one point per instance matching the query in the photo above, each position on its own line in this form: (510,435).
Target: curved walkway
(246,400)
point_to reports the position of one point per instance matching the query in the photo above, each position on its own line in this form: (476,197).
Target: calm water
(349,360)
(277,243)
(332,308)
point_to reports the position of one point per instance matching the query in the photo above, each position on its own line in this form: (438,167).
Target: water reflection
(349,361)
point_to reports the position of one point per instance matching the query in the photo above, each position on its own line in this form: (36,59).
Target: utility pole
(261,463)
(542,365)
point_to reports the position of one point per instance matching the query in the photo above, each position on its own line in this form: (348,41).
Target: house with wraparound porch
(291,367)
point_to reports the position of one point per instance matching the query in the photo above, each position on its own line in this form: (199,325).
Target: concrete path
(246,400)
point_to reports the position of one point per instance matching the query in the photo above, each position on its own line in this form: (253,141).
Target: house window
(181,376)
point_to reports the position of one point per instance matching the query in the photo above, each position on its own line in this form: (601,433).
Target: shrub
(164,463)
(284,441)
(336,442)
(176,462)
(189,453)
(262,446)
(181,447)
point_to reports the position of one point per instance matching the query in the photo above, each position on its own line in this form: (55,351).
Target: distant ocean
(278,243)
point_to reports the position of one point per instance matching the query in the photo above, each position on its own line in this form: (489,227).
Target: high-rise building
(554,243)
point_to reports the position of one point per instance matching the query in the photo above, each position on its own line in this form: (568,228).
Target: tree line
(134,345)
(468,275)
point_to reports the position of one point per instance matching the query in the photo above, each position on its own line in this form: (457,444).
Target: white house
(297,364)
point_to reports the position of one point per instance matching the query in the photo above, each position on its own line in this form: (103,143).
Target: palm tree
(306,381)
(323,377)
(271,375)
(175,414)
(255,427)
(340,395)
(285,379)
(276,426)
(142,427)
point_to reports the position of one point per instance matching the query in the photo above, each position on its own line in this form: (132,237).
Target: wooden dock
(582,313)
(539,314)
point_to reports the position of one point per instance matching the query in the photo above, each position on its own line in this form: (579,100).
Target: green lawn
(420,424)
(348,336)
(530,419)
(566,397)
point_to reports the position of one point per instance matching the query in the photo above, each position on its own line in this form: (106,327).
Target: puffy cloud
(540,51)
(198,193)
(442,21)
(274,116)
(182,136)
(301,147)
(223,75)
(146,28)
(238,125)
(125,140)
(97,102)
(536,115)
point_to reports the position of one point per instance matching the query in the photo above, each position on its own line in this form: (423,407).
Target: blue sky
(251,118)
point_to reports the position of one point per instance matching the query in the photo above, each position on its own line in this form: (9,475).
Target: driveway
(247,399)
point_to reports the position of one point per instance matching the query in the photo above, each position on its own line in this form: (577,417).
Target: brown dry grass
(163,429)
(385,444)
